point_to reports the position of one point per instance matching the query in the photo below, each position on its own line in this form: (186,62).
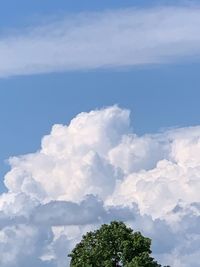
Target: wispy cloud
(110,39)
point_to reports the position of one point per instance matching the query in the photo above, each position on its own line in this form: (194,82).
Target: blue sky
(61,58)
(21,13)
(159,96)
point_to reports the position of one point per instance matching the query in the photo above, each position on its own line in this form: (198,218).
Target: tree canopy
(113,245)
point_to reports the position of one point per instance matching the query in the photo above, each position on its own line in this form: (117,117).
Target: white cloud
(109,39)
(95,170)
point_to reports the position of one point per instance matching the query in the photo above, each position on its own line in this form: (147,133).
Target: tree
(113,245)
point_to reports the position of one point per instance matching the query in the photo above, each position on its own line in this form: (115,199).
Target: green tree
(113,245)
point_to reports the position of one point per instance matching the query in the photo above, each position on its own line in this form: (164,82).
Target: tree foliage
(113,245)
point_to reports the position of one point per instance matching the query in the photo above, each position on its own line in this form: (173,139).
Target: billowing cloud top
(95,170)
(115,38)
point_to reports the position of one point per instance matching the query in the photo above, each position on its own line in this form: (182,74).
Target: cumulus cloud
(92,171)
(110,39)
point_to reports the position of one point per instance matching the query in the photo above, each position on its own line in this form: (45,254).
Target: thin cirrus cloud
(92,171)
(109,39)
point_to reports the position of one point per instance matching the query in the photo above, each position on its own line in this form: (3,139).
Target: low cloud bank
(95,170)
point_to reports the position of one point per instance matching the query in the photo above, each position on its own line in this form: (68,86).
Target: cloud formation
(110,39)
(95,170)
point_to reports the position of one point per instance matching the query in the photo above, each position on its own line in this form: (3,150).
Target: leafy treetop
(113,245)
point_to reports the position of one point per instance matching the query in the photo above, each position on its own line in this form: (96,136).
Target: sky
(99,111)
